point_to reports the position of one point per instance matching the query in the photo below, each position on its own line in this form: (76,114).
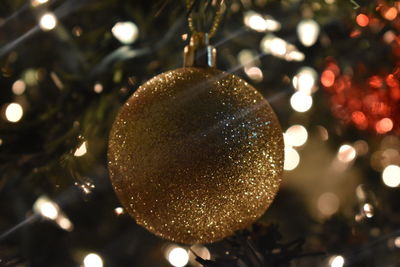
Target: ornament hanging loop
(199,53)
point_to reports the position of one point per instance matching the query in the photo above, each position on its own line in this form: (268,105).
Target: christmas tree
(329,69)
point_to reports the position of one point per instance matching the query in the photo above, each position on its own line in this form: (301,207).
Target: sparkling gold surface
(196,154)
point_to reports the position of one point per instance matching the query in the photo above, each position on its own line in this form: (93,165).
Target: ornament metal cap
(199,53)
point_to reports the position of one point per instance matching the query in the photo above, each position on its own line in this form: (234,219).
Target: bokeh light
(14,112)
(200,251)
(45,207)
(391,176)
(292,159)
(384,125)
(336,261)
(368,210)
(254,73)
(119,211)
(296,135)
(304,80)
(81,150)
(258,23)
(308,31)
(327,78)
(346,153)
(328,204)
(300,101)
(92,260)
(98,88)
(18,87)
(48,22)
(126,32)
(178,256)
(38,2)
(362,20)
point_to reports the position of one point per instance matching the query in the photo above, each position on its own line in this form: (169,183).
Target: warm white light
(296,135)
(81,150)
(397,242)
(295,56)
(368,210)
(308,31)
(126,32)
(201,251)
(119,210)
(292,159)
(46,208)
(247,58)
(346,153)
(278,47)
(48,22)
(178,257)
(328,204)
(38,2)
(64,223)
(336,261)
(300,101)
(391,175)
(18,87)
(258,23)
(98,88)
(14,112)
(92,260)
(254,73)
(304,80)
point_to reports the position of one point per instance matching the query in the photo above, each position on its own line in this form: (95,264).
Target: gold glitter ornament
(196,154)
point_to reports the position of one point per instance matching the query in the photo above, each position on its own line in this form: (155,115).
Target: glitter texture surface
(196,154)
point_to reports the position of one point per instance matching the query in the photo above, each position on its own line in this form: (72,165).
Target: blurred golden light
(296,135)
(126,32)
(368,210)
(254,73)
(247,58)
(361,147)
(362,20)
(360,192)
(391,176)
(177,256)
(300,101)
(92,260)
(48,22)
(14,112)
(198,250)
(336,261)
(323,132)
(346,153)
(119,210)
(278,46)
(304,80)
(308,31)
(292,159)
(98,88)
(18,87)
(81,150)
(46,208)
(328,204)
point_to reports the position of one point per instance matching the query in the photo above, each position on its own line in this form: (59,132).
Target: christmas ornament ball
(195,154)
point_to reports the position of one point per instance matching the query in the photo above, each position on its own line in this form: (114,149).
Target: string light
(92,260)
(18,87)
(368,210)
(292,159)
(14,112)
(336,261)
(391,176)
(328,204)
(296,135)
(346,153)
(177,256)
(304,80)
(38,2)
(258,23)
(300,101)
(126,32)
(308,31)
(119,210)
(254,73)
(47,208)
(200,251)
(48,22)
(98,88)
(81,150)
